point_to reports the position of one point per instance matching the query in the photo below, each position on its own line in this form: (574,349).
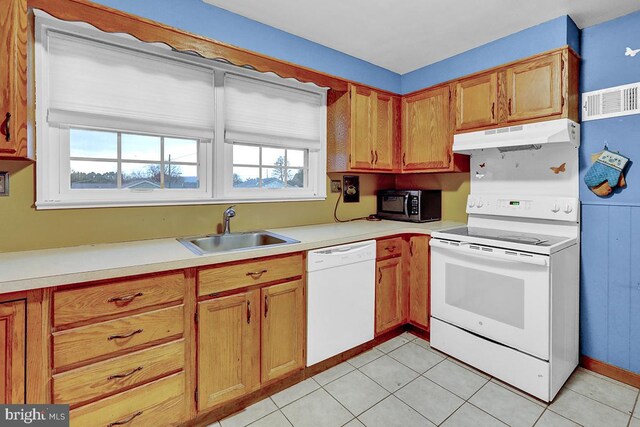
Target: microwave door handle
(405,204)
(465,249)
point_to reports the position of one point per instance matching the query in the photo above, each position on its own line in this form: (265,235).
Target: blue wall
(200,18)
(610,288)
(546,36)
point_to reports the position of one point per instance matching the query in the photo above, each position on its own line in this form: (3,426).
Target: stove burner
(524,239)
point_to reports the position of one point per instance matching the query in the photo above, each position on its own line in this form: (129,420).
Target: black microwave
(410,205)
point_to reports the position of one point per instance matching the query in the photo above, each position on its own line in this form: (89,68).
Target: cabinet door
(419,285)
(389,294)
(12,346)
(361,155)
(534,88)
(385,120)
(426,134)
(476,102)
(282,329)
(13,78)
(228,348)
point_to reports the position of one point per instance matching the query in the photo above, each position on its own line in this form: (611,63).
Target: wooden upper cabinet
(387,125)
(12,346)
(282,338)
(534,88)
(419,281)
(476,101)
(13,79)
(362,131)
(426,131)
(228,348)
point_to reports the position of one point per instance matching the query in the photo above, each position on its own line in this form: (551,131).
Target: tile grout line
(562,416)
(409,405)
(354,415)
(595,400)
(633,410)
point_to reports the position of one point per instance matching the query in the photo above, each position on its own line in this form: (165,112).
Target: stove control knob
(555,208)
(480,203)
(471,203)
(568,209)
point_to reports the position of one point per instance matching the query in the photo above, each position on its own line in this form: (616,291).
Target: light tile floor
(404,383)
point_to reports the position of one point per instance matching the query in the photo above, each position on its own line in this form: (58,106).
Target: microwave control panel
(414,208)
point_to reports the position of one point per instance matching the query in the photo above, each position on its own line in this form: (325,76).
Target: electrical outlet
(336,187)
(351,188)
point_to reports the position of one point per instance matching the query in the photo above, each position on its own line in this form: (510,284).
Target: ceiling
(402,36)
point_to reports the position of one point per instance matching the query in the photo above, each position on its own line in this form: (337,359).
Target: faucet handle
(230,212)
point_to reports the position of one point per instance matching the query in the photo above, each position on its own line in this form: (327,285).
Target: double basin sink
(233,242)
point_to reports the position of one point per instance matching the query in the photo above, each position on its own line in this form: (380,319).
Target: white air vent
(611,102)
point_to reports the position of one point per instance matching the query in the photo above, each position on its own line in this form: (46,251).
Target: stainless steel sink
(232,242)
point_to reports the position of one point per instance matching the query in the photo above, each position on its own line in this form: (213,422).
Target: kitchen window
(123,123)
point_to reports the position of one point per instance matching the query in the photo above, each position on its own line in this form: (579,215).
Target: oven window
(487,294)
(393,204)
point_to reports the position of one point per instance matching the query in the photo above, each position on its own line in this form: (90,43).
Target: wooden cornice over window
(115,21)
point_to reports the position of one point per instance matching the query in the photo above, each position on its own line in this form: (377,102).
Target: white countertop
(21,271)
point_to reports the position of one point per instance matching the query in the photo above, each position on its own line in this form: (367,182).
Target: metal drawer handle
(249,312)
(7,128)
(127,421)
(256,274)
(125,375)
(127,298)
(130,334)
(390,248)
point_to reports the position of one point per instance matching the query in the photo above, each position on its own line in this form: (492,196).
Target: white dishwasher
(340,299)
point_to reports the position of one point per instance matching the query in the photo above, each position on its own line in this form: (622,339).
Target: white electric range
(505,288)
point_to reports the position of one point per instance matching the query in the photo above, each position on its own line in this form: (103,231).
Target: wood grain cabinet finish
(389,247)
(117,298)
(418,262)
(390,295)
(534,88)
(12,346)
(13,79)
(363,128)
(426,130)
(228,348)
(114,375)
(282,337)
(115,337)
(228,277)
(476,101)
(159,403)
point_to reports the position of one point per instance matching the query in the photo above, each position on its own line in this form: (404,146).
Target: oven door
(499,294)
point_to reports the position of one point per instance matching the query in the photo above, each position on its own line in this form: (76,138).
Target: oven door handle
(464,248)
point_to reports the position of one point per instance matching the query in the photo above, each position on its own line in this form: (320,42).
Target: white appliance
(560,131)
(340,299)
(505,288)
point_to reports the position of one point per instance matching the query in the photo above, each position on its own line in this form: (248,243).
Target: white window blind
(97,84)
(261,112)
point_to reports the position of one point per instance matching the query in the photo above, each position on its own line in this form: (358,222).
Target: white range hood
(521,137)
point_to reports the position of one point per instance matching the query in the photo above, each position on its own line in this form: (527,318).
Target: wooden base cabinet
(228,348)
(419,267)
(12,346)
(282,339)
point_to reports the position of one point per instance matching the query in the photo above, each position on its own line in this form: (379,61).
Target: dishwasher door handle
(343,250)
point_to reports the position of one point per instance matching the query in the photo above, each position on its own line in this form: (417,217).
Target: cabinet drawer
(113,375)
(225,278)
(389,247)
(89,342)
(160,403)
(82,304)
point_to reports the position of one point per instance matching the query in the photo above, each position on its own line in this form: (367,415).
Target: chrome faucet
(226,218)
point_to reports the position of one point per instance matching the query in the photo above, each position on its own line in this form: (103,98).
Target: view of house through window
(118,160)
(268,167)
